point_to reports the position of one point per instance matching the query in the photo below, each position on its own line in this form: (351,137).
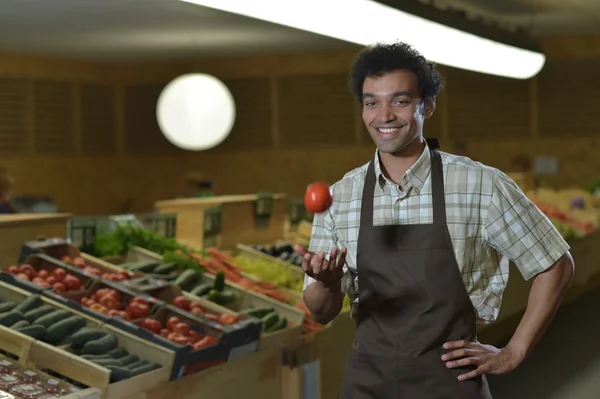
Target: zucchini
(270,320)
(35,314)
(129,359)
(135,365)
(7,306)
(20,324)
(258,313)
(64,328)
(34,331)
(221,297)
(9,318)
(101,345)
(119,373)
(85,335)
(107,362)
(280,325)
(94,357)
(166,268)
(187,279)
(53,317)
(118,353)
(146,266)
(202,289)
(219,281)
(32,302)
(145,368)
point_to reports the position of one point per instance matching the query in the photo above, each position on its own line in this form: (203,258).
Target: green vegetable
(118,373)
(107,362)
(202,289)
(129,359)
(145,266)
(187,279)
(280,325)
(20,324)
(220,281)
(64,328)
(35,314)
(101,345)
(139,363)
(9,318)
(7,306)
(34,331)
(32,302)
(270,320)
(166,268)
(258,313)
(118,353)
(53,317)
(221,298)
(145,368)
(84,335)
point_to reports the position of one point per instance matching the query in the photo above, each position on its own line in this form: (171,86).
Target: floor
(565,364)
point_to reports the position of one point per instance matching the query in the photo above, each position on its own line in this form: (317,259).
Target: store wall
(86,133)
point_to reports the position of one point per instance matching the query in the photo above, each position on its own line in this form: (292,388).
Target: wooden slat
(53,110)
(98,120)
(316,110)
(253,113)
(568,93)
(486,107)
(142,133)
(13,116)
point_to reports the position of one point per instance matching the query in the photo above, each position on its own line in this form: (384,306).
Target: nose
(385,114)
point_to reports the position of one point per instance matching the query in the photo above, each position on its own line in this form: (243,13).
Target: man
(420,242)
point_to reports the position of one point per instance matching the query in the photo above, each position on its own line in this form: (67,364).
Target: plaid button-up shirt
(489,218)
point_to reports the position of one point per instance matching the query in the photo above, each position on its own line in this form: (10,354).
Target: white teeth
(387,130)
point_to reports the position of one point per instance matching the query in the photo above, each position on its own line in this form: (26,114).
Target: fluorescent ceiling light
(366,22)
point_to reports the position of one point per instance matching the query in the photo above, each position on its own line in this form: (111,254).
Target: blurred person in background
(6,186)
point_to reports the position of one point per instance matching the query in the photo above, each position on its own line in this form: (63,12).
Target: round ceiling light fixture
(196,112)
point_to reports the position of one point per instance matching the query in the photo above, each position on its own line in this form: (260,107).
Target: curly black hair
(382,58)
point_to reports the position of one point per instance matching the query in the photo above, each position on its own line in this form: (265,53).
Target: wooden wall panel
(98,119)
(13,116)
(53,113)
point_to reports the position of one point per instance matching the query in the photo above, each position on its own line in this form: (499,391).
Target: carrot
(219,254)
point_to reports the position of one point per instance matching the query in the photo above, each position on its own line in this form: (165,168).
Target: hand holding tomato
(315,265)
(318,197)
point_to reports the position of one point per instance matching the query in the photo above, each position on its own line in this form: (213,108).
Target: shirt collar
(415,176)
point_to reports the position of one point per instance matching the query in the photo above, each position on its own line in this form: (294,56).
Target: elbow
(564,269)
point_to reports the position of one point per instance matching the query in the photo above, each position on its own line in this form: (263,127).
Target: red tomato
(40,282)
(181,328)
(227,319)
(194,336)
(92,271)
(72,283)
(137,310)
(197,311)
(178,339)
(139,299)
(181,302)
(87,302)
(59,287)
(59,273)
(196,305)
(124,275)
(51,280)
(212,317)
(43,274)
(110,302)
(164,332)
(113,312)
(79,262)
(12,270)
(152,325)
(99,308)
(107,291)
(318,197)
(204,343)
(172,322)
(27,269)
(23,276)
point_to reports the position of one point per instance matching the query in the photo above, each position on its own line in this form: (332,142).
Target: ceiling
(128,30)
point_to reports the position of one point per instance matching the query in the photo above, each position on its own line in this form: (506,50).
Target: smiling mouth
(388,130)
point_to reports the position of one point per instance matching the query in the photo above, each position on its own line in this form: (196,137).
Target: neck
(395,165)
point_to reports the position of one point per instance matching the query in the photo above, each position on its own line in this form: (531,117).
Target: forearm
(546,293)
(324,302)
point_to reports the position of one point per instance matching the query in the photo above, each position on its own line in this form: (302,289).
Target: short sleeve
(322,238)
(518,230)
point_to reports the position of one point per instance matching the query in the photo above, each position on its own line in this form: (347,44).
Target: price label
(81,232)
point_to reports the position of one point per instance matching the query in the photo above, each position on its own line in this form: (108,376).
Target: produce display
(178,331)
(58,278)
(196,309)
(29,383)
(81,263)
(63,328)
(115,303)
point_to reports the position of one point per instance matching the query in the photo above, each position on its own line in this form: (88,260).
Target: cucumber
(53,317)
(101,345)
(258,313)
(7,306)
(34,331)
(9,318)
(85,335)
(202,289)
(280,325)
(145,369)
(129,359)
(107,362)
(221,298)
(64,328)
(35,314)
(270,320)
(187,279)
(146,266)
(95,357)
(135,365)
(219,281)
(119,373)
(32,302)
(118,353)
(20,324)
(166,268)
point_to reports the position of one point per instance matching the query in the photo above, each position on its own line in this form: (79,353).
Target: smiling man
(420,241)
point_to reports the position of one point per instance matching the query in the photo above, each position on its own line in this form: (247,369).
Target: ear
(429,109)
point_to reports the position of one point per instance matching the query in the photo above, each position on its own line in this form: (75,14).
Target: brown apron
(412,300)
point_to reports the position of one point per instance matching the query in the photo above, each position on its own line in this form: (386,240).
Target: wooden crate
(42,355)
(237,219)
(19,228)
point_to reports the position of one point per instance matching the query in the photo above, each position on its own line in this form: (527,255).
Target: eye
(370,104)
(402,102)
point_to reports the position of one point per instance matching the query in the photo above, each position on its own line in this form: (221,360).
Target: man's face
(393,111)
